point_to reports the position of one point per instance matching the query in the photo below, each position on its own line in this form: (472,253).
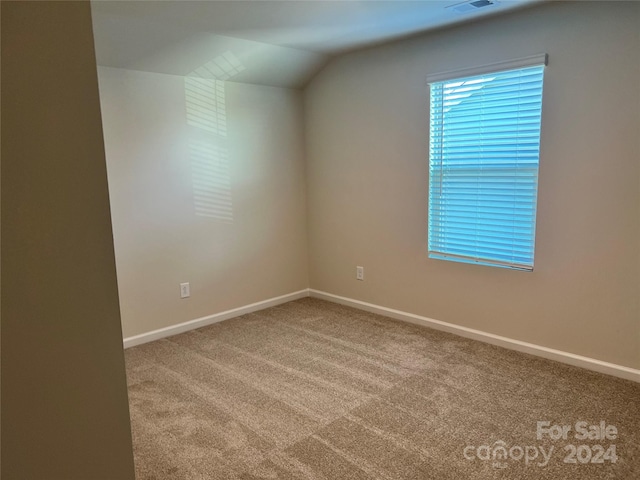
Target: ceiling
(278,43)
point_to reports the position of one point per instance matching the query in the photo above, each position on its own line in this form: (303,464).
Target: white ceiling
(279,43)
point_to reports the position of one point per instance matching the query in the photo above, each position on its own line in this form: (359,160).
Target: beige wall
(246,245)
(366,118)
(64,400)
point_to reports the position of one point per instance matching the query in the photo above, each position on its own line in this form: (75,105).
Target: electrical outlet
(185,290)
(359,273)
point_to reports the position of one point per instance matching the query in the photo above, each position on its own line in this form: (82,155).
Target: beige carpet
(315,390)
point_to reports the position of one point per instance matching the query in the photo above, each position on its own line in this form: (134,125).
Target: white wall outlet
(359,273)
(185,290)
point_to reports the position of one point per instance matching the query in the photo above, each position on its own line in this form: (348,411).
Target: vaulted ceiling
(278,43)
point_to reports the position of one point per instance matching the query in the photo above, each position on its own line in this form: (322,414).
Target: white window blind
(483,166)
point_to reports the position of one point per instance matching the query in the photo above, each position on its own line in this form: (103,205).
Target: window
(484,146)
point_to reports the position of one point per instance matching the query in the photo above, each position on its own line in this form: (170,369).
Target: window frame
(462,75)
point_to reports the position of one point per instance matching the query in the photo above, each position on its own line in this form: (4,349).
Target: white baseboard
(210,319)
(530,348)
(544,352)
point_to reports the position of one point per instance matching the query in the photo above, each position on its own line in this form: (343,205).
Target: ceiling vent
(471,6)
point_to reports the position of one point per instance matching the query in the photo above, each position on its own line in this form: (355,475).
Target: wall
(64,399)
(366,117)
(207,186)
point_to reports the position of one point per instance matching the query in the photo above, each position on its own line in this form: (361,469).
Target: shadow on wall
(207,136)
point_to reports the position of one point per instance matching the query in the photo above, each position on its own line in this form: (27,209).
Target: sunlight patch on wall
(211,179)
(206,105)
(208,150)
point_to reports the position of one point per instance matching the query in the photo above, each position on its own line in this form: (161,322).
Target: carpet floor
(315,390)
